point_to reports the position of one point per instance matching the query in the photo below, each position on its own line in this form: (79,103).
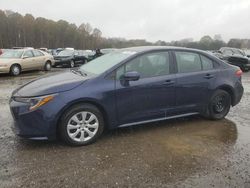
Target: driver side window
(28,54)
(147,65)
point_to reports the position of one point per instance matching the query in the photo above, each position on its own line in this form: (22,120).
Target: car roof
(155,48)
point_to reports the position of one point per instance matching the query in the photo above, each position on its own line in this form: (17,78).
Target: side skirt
(158,119)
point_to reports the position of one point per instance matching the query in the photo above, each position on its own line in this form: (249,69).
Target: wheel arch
(83,101)
(48,61)
(229,90)
(18,64)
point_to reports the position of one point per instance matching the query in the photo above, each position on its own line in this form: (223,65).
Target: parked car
(89,54)
(247,52)
(69,58)
(17,61)
(108,50)
(235,57)
(123,88)
(44,49)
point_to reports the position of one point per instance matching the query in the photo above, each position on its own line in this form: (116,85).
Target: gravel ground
(186,152)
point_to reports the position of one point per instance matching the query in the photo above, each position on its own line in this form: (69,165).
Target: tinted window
(150,65)
(207,64)
(28,53)
(37,53)
(188,62)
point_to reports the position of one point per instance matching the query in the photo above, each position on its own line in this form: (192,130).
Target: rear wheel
(15,70)
(219,105)
(81,125)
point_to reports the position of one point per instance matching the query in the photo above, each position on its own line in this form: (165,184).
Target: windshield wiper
(78,72)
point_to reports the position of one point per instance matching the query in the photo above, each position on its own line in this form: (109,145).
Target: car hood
(51,84)
(240,59)
(8,60)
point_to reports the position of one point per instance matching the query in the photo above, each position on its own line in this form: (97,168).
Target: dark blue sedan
(123,88)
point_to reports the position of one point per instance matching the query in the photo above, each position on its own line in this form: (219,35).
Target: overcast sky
(146,19)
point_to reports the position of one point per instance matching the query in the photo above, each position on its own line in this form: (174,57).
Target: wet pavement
(186,152)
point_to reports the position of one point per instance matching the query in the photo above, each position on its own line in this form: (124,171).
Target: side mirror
(131,76)
(25,57)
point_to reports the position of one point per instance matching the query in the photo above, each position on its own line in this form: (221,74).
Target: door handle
(209,76)
(168,82)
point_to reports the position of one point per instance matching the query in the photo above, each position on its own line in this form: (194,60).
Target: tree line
(28,31)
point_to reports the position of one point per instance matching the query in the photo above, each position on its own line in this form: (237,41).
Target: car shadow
(224,130)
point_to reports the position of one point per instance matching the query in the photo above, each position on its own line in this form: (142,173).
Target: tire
(72,64)
(47,66)
(15,70)
(219,105)
(75,131)
(84,61)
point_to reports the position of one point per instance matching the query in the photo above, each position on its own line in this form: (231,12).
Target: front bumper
(61,62)
(38,124)
(4,69)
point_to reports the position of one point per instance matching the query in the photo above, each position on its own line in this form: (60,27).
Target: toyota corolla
(123,88)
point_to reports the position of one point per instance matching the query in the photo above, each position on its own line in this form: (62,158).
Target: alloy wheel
(82,126)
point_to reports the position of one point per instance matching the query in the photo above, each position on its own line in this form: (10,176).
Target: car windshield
(15,54)
(238,52)
(66,53)
(105,62)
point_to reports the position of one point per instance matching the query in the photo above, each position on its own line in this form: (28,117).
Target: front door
(28,62)
(150,97)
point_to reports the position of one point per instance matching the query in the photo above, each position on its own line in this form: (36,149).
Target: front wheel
(72,64)
(81,125)
(15,70)
(219,105)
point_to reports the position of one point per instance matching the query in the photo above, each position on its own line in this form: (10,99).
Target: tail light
(239,73)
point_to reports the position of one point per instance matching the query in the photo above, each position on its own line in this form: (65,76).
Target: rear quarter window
(207,64)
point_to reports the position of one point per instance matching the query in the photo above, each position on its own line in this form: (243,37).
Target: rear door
(150,97)
(194,80)
(39,59)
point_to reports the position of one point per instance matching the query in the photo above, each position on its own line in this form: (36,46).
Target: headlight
(35,102)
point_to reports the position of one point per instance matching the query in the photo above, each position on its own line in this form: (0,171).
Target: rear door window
(188,62)
(37,53)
